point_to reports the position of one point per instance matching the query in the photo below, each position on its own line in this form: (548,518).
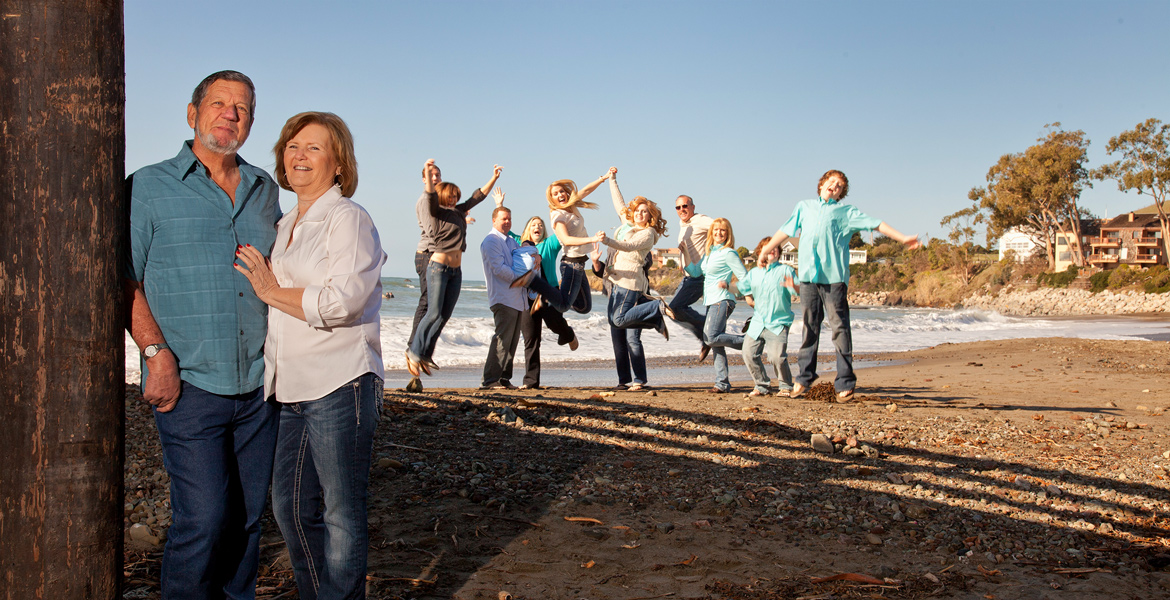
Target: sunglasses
(682,206)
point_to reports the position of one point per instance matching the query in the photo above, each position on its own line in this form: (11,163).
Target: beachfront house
(665,255)
(1020,241)
(1133,239)
(791,248)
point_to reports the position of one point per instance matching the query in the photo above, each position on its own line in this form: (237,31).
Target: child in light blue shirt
(772,291)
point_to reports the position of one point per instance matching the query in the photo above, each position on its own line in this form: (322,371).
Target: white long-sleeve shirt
(336,255)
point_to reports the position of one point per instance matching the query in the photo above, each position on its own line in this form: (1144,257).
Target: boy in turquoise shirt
(772,291)
(825,227)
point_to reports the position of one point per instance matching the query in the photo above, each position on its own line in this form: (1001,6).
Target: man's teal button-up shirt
(183,235)
(825,227)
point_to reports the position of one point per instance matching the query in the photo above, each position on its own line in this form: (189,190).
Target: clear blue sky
(741,105)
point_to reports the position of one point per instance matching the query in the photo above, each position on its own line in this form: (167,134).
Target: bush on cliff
(1058,280)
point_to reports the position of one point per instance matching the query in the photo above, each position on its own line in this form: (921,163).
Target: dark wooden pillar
(62,165)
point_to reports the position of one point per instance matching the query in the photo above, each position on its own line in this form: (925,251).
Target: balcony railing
(1146,258)
(1105,242)
(1147,241)
(1102,258)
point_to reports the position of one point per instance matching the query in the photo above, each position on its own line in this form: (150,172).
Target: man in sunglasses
(692,242)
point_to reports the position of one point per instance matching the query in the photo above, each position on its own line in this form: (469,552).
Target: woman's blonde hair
(341,143)
(448,194)
(656,222)
(711,233)
(570,187)
(526,236)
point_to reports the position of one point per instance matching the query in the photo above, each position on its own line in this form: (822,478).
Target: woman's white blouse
(337,257)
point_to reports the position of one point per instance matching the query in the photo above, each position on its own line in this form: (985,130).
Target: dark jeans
(443,284)
(688,293)
(715,335)
(628,352)
(218,453)
(502,349)
(323,461)
(421,260)
(531,330)
(574,292)
(823,300)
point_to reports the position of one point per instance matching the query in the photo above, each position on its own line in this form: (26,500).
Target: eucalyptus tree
(1144,166)
(1037,190)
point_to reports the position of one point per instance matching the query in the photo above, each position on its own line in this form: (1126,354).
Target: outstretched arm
(568,240)
(774,243)
(911,241)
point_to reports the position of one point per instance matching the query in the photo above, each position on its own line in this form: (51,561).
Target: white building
(1019,241)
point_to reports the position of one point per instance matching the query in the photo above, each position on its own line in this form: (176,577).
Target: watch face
(150,351)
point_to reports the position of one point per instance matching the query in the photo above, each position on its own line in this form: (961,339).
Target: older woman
(530,322)
(720,262)
(323,354)
(448,227)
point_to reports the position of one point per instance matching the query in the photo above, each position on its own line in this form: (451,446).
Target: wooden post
(62,380)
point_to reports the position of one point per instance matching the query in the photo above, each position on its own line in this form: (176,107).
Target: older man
(200,329)
(692,244)
(507,303)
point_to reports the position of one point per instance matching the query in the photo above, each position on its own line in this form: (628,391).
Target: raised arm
(619,203)
(487,187)
(911,241)
(592,185)
(641,239)
(428,168)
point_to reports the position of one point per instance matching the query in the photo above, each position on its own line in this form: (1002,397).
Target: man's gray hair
(201,89)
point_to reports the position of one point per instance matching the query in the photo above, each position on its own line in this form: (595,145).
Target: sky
(741,105)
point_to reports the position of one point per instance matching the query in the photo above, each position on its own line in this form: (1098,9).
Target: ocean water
(875,329)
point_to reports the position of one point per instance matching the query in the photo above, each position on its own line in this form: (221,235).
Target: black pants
(531,330)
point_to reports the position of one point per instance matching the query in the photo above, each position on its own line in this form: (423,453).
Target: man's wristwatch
(153,349)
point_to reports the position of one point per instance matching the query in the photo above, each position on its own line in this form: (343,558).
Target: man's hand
(721,285)
(162,387)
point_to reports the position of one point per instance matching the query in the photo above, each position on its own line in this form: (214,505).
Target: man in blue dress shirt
(506,302)
(200,329)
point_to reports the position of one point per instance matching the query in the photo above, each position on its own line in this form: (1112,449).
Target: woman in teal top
(719,263)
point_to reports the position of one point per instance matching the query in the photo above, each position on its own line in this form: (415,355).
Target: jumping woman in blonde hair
(719,264)
(564,203)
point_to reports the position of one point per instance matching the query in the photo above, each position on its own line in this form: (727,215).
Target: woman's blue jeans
(574,292)
(630,309)
(319,487)
(715,335)
(821,301)
(443,285)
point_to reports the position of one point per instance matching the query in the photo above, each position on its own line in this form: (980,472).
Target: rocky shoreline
(1045,302)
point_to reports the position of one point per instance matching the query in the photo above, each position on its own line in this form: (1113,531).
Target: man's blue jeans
(443,287)
(627,353)
(688,293)
(823,300)
(323,462)
(218,453)
(715,335)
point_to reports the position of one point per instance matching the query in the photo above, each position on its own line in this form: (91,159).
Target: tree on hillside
(1037,191)
(962,235)
(856,242)
(1145,166)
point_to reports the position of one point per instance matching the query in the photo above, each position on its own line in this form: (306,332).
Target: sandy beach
(1027,468)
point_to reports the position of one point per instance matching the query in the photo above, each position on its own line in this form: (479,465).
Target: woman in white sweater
(642,225)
